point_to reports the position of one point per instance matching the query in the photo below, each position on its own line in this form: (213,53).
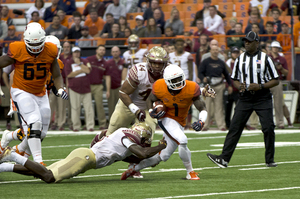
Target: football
(160,106)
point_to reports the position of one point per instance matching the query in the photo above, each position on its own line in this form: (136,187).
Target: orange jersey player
(33,59)
(178,95)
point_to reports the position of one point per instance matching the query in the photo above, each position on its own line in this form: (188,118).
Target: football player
(178,94)
(33,59)
(121,144)
(133,55)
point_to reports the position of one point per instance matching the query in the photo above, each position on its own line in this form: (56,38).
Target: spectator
(297,31)
(171,48)
(201,30)
(35,17)
(211,71)
(149,11)
(159,21)
(236,41)
(116,10)
(123,24)
(127,32)
(5,17)
(96,5)
(51,11)
(254,19)
(131,6)
(107,25)
(169,33)
(75,31)
(232,23)
(282,70)
(143,5)
(175,22)
(165,45)
(3,29)
(296,7)
(68,6)
(79,90)
(115,67)
(139,29)
(85,35)
(95,24)
(115,33)
(276,21)
(10,37)
(214,23)
(63,18)
(202,14)
(39,7)
(188,43)
(152,30)
(255,28)
(98,73)
(284,38)
(56,29)
(255,10)
(234,96)
(264,6)
(207,55)
(203,48)
(269,31)
(268,47)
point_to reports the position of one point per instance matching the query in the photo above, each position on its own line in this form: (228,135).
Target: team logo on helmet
(157,55)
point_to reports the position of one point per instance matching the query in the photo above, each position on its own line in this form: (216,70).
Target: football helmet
(54,40)
(157,55)
(133,42)
(34,37)
(144,130)
(174,77)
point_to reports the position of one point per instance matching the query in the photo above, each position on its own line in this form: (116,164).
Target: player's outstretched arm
(147,152)
(5,60)
(58,80)
(200,105)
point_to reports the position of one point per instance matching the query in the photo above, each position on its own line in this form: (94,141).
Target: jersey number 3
(29,72)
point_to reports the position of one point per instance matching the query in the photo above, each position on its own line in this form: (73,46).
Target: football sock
(185,155)
(23,145)
(13,135)
(148,162)
(36,149)
(27,153)
(6,167)
(17,158)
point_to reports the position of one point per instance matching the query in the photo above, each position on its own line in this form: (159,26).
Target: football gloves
(158,115)
(62,93)
(140,115)
(197,126)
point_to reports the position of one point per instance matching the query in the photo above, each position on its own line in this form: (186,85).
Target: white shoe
(4,141)
(5,157)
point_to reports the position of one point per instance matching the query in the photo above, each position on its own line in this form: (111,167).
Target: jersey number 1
(176,109)
(29,72)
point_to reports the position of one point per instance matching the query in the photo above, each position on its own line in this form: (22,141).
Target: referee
(254,73)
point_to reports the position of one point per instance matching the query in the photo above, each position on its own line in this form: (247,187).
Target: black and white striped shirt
(258,68)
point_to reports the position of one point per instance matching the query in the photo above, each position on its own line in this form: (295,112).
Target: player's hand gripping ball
(159,110)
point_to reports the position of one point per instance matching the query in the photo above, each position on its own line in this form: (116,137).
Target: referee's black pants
(261,103)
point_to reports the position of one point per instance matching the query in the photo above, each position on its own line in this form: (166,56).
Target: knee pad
(34,130)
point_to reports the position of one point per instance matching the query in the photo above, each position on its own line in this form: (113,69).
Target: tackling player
(121,144)
(33,60)
(178,95)
(133,55)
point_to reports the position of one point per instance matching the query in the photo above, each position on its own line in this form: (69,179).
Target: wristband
(133,108)
(203,115)
(150,110)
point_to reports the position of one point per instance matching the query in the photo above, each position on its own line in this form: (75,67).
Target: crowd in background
(107,19)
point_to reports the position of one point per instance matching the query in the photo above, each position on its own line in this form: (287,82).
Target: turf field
(246,176)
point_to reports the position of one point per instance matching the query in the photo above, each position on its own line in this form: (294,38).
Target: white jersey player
(121,144)
(263,6)
(133,55)
(182,58)
(136,89)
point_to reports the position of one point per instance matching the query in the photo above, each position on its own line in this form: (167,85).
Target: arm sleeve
(123,11)
(180,28)
(72,8)
(126,142)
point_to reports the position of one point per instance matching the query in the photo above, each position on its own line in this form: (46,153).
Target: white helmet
(34,37)
(54,40)
(174,77)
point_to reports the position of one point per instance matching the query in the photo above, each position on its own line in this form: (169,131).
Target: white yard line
(248,169)
(230,192)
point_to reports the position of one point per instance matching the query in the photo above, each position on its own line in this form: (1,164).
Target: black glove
(197,126)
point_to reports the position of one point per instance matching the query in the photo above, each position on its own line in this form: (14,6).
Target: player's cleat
(138,175)
(192,176)
(5,156)
(217,160)
(42,163)
(15,149)
(272,164)
(4,140)
(127,174)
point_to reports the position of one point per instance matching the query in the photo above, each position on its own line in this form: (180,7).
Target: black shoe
(218,161)
(272,164)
